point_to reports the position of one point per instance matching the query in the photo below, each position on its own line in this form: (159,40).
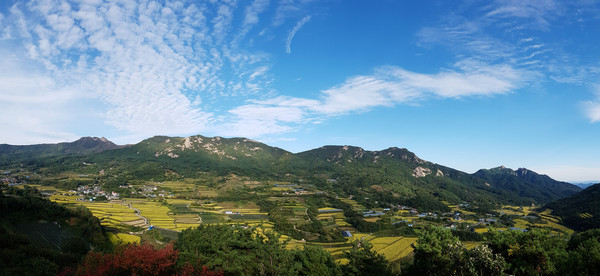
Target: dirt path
(137,212)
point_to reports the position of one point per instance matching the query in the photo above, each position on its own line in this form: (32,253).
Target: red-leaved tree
(135,259)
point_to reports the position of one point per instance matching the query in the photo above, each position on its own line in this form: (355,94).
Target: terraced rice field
(519,223)
(113,215)
(180,201)
(186,221)
(515,210)
(342,223)
(372,219)
(64,199)
(561,228)
(156,213)
(120,238)
(331,215)
(586,215)
(548,217)
(297,210)
(355,205)
(393,248)
(176,186)
(481,230)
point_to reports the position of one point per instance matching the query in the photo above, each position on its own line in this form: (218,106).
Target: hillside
(526,184)
(191,156)
(375,178)
(396,175)
(10,154)
(580,211)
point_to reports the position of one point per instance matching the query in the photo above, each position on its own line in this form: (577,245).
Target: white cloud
(288,42)
(539,10)
(35,108)
(592,108)
(161,67)
(393,85)
(289,8)
(387,87)
(154,64)
(252,12)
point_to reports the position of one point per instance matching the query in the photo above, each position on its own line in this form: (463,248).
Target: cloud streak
(288,42)
(391,85)
(387,86)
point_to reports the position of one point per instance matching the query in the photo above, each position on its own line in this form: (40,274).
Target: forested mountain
(390,176)
(198,154)
(580,211)
(393,174)
(14,154)
(527,184)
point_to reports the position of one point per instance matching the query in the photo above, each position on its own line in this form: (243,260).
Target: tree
(530,253)
(131,259)
(236,250)
(363,260)
(431,252)
(438,252)
(313,260)
(585,258)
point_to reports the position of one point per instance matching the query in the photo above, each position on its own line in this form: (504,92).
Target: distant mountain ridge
(584,185)
(84,145)
(526,183)
(389,175)
(580,211)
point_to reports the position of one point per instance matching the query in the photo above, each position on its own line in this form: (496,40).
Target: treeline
(228,250)
(536,252)
(235,250)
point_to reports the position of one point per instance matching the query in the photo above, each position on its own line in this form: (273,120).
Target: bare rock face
(421,172)
(439,173)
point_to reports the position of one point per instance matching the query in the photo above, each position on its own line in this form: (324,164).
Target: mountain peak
(93,139)
(523,171)
(89,144)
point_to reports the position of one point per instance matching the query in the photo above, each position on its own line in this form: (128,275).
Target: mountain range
(393,175)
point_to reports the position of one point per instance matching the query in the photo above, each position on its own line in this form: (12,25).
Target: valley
(299,212)
(338,198)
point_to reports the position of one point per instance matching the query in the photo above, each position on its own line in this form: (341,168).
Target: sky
(466,84)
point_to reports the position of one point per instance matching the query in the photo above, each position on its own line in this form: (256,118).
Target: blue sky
(471,84)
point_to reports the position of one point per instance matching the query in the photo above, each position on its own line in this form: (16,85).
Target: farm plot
(206,192)
(337,217)
(113,215)
(393,248)
(185,221)
(121,238)
(156,213)
(212,218)
(297,210)
(65,199)
(354,204)
(177,186)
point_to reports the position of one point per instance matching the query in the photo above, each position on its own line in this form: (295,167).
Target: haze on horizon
(470,85)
